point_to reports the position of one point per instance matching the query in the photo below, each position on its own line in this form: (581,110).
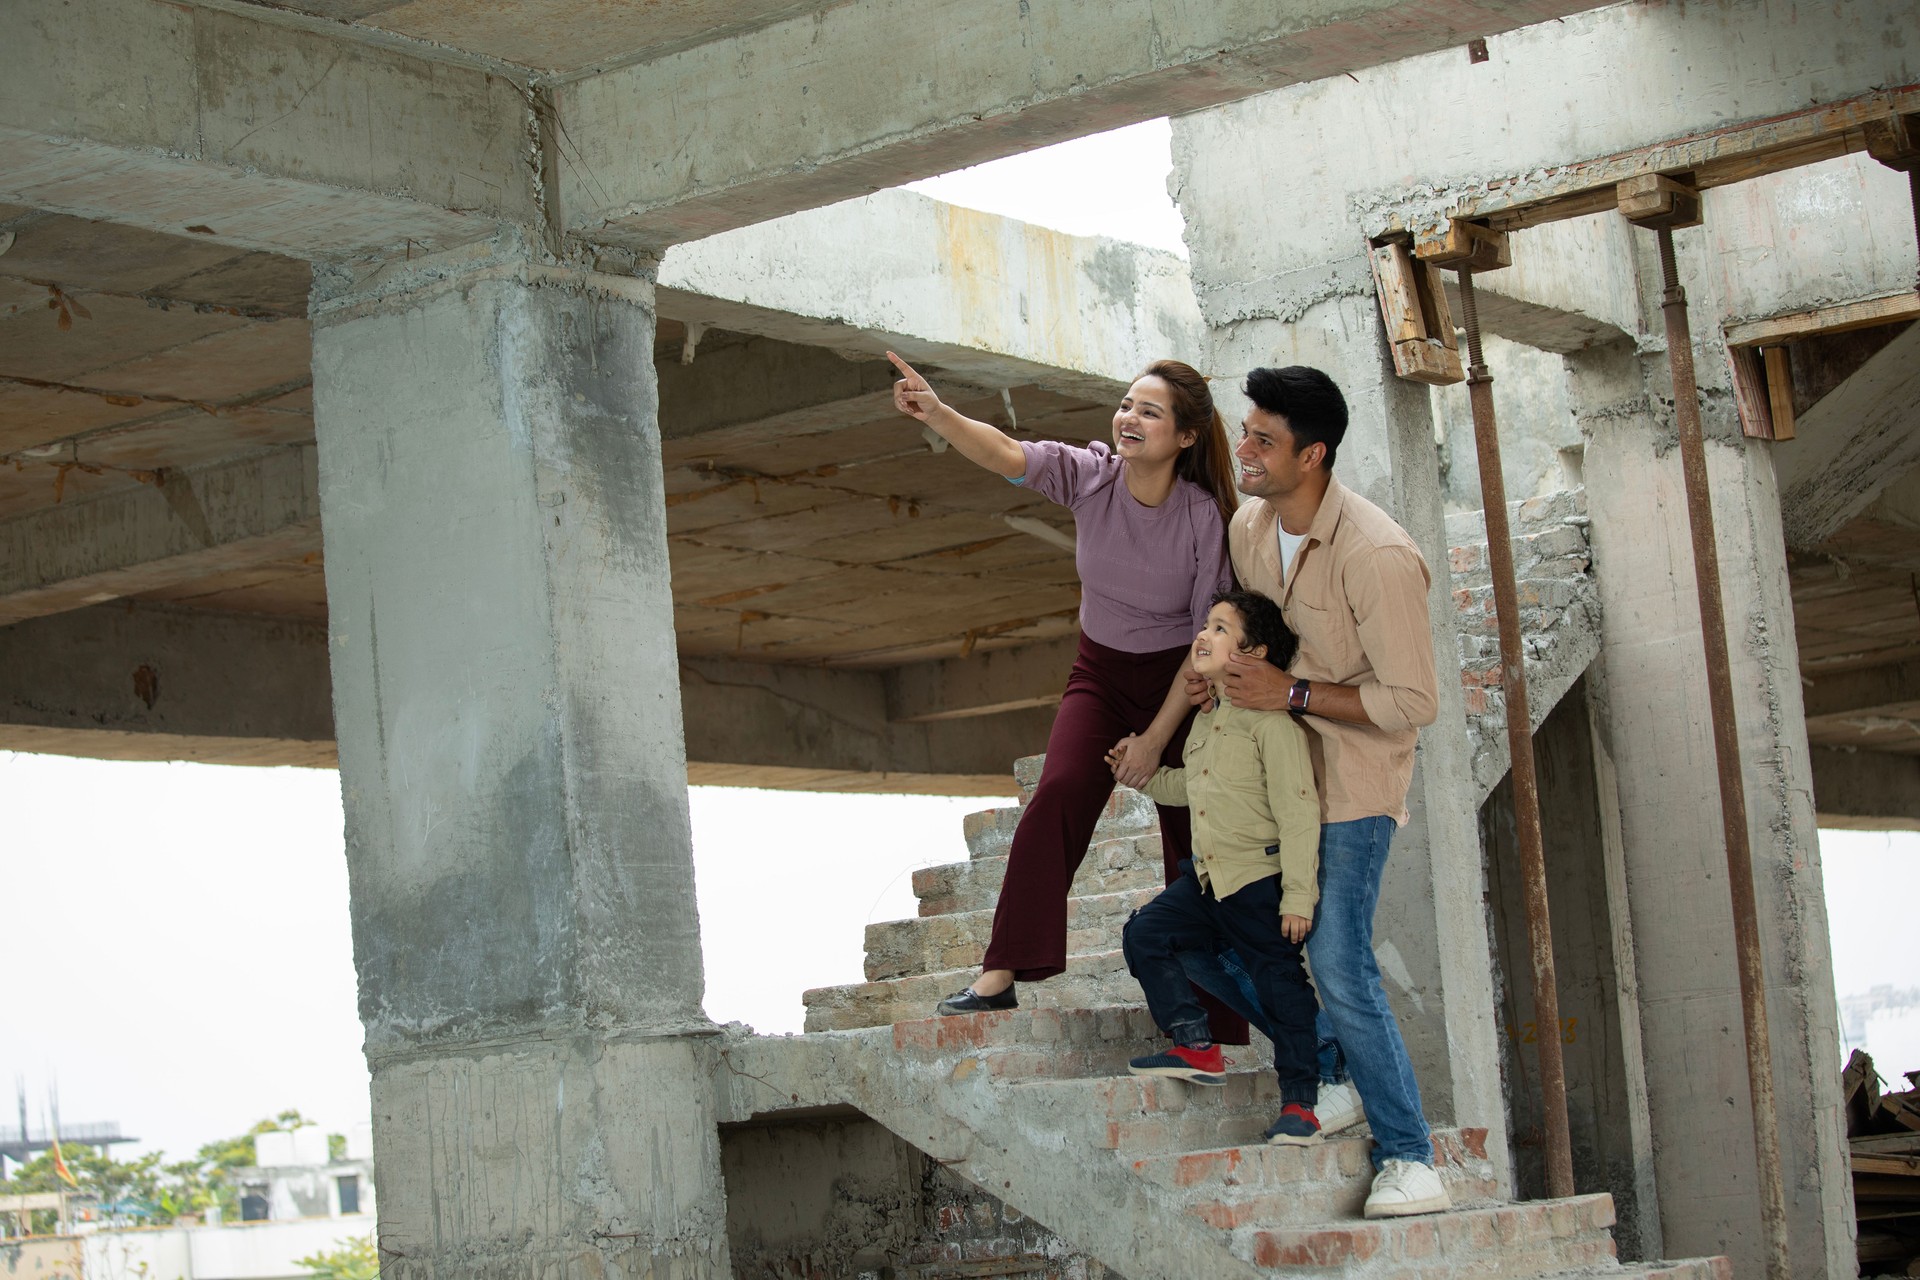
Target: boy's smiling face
(1224,635)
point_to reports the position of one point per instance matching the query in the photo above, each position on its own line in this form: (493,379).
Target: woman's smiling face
(1143,426)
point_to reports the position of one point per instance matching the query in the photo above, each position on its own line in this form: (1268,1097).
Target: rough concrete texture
(511,751)
(979,295)
(1826,233)
(1654,716)
(1154,1178)
(1539,440)
(577,1157)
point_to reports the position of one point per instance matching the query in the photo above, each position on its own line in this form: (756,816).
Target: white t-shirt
(1289,543)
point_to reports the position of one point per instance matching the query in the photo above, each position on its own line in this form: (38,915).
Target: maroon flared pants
(1110,694)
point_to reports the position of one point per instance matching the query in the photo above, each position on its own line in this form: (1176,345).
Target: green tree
(354,1258)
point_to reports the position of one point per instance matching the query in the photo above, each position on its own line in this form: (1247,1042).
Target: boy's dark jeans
(1187,918)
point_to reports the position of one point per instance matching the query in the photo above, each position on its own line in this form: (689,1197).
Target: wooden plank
(1779,391)
(1399,295)
(1889,308)
(1888,1163)
(1466,244)
(1750,400)
(1434,309)
(1428,362)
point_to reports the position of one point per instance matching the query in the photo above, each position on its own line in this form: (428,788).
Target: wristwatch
(1297,697)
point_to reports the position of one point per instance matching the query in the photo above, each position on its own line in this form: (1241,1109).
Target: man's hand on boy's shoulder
(1256,684)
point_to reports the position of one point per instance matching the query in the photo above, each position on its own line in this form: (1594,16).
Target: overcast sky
(177,944)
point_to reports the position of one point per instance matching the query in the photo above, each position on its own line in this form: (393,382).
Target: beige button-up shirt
(1248,780)
(1356,595)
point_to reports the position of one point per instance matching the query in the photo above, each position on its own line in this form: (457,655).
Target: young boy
(1253,879)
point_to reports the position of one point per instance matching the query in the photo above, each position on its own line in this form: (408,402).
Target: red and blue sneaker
(1296,1127)
(1183,1062)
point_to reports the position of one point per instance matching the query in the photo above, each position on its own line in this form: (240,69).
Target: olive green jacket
(1249,781)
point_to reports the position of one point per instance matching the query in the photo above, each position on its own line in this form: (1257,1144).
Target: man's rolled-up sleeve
(1387,589)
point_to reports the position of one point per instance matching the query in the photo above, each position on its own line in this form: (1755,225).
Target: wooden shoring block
(1656,201)
(1472,245)
(1750,394)
(1894,141)
(1419,323)
(1779,390)
(1394,280)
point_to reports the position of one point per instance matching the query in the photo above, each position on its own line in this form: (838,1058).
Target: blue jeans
(1356,1026)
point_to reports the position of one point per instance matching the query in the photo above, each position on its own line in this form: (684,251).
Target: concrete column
(1431,932)
(1654,714)
(512,759)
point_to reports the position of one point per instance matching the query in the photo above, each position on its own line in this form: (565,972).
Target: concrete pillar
(1431,932)
(512,760)
(1654,714)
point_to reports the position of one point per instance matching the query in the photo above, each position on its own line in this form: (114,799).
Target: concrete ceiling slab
(34,415)
(222,368)
(115,329)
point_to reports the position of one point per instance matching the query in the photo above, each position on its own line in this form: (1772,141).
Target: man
(1353,586)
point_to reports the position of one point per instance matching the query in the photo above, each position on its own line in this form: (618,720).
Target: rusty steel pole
(1726,750)
(1526,784)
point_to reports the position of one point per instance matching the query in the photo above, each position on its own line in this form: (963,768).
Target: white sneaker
(1403,1188)
(1338,1108)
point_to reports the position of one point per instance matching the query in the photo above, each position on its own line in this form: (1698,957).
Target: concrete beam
(1853,692)
(1851,444)
(771,386)
(151,682)
(982,684)
(189,524)
(1866,790)
(973,293)
(125,682)
(256,129)
(838,103)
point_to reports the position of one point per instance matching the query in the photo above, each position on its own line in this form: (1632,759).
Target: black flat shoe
(967,1000)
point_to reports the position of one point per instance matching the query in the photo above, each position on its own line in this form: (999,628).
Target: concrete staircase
(1156,1178)
(1153,1177)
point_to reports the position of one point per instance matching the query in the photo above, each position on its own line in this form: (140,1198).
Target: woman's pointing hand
(911,394)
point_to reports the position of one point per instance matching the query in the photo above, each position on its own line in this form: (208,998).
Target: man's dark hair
(1261,619)
(1308,399)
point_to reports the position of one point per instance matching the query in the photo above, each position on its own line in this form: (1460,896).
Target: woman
(1151,515)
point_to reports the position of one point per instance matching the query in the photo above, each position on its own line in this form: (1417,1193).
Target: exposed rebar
(1726,750)
(1526,784)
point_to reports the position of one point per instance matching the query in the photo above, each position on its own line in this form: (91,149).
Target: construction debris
(1883,1130)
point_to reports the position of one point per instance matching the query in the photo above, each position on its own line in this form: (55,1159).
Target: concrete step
(1035,1044)
(1494,1242)
(936,944)
(1142,1116)
(1111,866)
(989,832)
(1090,982)
(1293,1186)
(1683,1269)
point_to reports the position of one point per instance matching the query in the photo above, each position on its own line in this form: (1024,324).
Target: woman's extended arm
(979,442)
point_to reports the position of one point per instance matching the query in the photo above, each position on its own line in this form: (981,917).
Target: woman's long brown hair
(1208,461)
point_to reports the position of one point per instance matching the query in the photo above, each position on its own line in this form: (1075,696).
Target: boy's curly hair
(1261,619)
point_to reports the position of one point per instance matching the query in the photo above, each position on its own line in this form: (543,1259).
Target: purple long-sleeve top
(1147,574)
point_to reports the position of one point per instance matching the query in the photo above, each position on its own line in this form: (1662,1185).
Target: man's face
(1270,464)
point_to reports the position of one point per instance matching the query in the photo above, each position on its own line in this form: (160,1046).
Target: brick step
(1039,1044)
(1493,1242)
(1141,1116)
(938,944)
(1294,1186)
(1666,1269)
(1090,982)
(1026,774)
(989,832)
(1126,862)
